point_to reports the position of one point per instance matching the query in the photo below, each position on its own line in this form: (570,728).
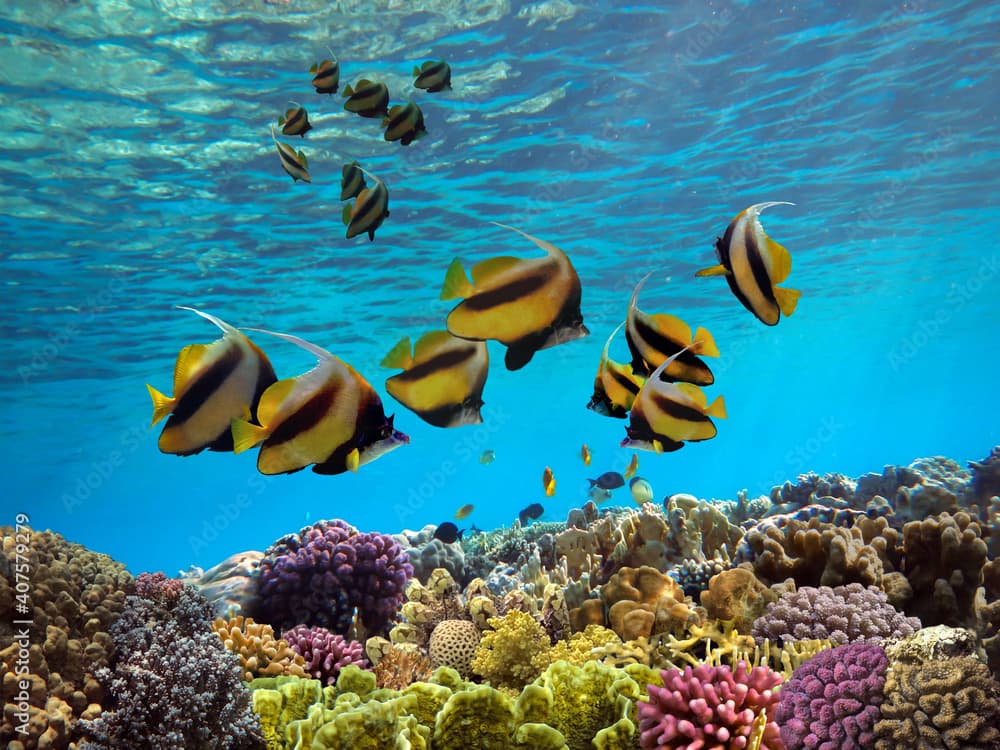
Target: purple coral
(325,653)
(831,702)
(842,614)
(326,572)
(159,588)
(710,707)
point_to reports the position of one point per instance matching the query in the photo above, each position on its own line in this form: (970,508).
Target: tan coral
(260,653)
(738,596)
(453,644)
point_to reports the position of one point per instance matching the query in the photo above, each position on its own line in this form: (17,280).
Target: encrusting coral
(260,653)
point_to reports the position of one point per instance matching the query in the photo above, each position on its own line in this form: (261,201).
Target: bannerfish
(642,491)
(653,338)
(213,383)
(548,482)
(754,265)
(295,121)
(442,380)
(615,386)
(326,76)
(527,305)
(464,511)
(599,494)
(367,98)
(633,466)
(530,513)
(609,480)
(448,532)
(432,76)
(487,457)
(352,180)
(370,209)
(292,161)
(666,415)
(585,455)
(404,123)
(330,417)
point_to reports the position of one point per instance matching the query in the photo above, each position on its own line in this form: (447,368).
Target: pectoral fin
(787,299)
(718,270)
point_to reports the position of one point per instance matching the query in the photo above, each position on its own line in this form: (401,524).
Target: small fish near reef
(295,121)
(585,455)
(487,457)
(326,76)
(525,304)
(367,98)
(370,209)
(213,384)
(352,180)
(609,480)
(666,415)
(615,386)
(642,491)
(292,161)
(531,513)
(548,482)
(754,265)
(464,512)
(599,494)
(633,466)
(432,76)
(404,123)
(442,380)
(329,417)
(448,533)
(653,338)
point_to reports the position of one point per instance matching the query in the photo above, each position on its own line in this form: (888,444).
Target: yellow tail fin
(246,435)
(717,409)
(787,299)
(704,344)
(162,405)
(456,283)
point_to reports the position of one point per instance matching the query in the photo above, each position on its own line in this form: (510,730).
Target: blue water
(138,174)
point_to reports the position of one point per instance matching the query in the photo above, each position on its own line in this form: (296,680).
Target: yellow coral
(481,717)
(260,653)
(508,654)
(580,648)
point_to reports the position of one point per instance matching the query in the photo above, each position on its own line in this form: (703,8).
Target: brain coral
(75,597)
(832,701)
(842,614)
(453,644)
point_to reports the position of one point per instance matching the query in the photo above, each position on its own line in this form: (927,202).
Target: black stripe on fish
(625,382)
(567,326)
(640,430)
(756,257)
(290,161)
(327,78)
(438,363)
(352,181)
(205,386)
(370,213)
(453,415)
(510,292)
(434,77)
(370,427)
(370,101)
(656,341)
(678,411)
(297,124)
(306,416)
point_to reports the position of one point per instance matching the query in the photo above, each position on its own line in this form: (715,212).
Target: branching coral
(324,653)
(260,653)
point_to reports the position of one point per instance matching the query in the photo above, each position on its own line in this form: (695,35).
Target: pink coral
(325,653)
(710,708)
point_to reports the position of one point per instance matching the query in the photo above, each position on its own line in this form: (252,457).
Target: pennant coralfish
(329,416)
(370,209)
(326,75)
(442,380)
(367,98)
(654,338)
(213,383)
(615,386)
(404,123)
(527,305)
(295,121)
(352,181)
(432,76)
(292,161)
(754,265)
(666,415)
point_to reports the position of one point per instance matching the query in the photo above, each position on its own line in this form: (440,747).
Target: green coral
(279,701)
(508,654)
(481,717)
(580,648)
(373,725)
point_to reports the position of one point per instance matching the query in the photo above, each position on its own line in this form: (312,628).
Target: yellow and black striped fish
(295,121)
(754,265)
(432,76)
(666,415)
(330,417)
(404,123)
(292,161)
(653,338)
(615,386)
(213,383)
(326,76)
(527,305)
(352,181)
(370,209)
(367,98)
(442,380)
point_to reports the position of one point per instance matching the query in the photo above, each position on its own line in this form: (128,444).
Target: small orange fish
(464,512)
(633,466)
(585,454)
(548,482)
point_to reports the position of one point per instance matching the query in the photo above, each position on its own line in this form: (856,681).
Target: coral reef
(985,482)
(426,553)
(230,586)
(506,653)
(453,644)
(841,614)
(706,706)
(738,596)
(832,701)
(260,653)
(173,685)
(324,653)
(75,597)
